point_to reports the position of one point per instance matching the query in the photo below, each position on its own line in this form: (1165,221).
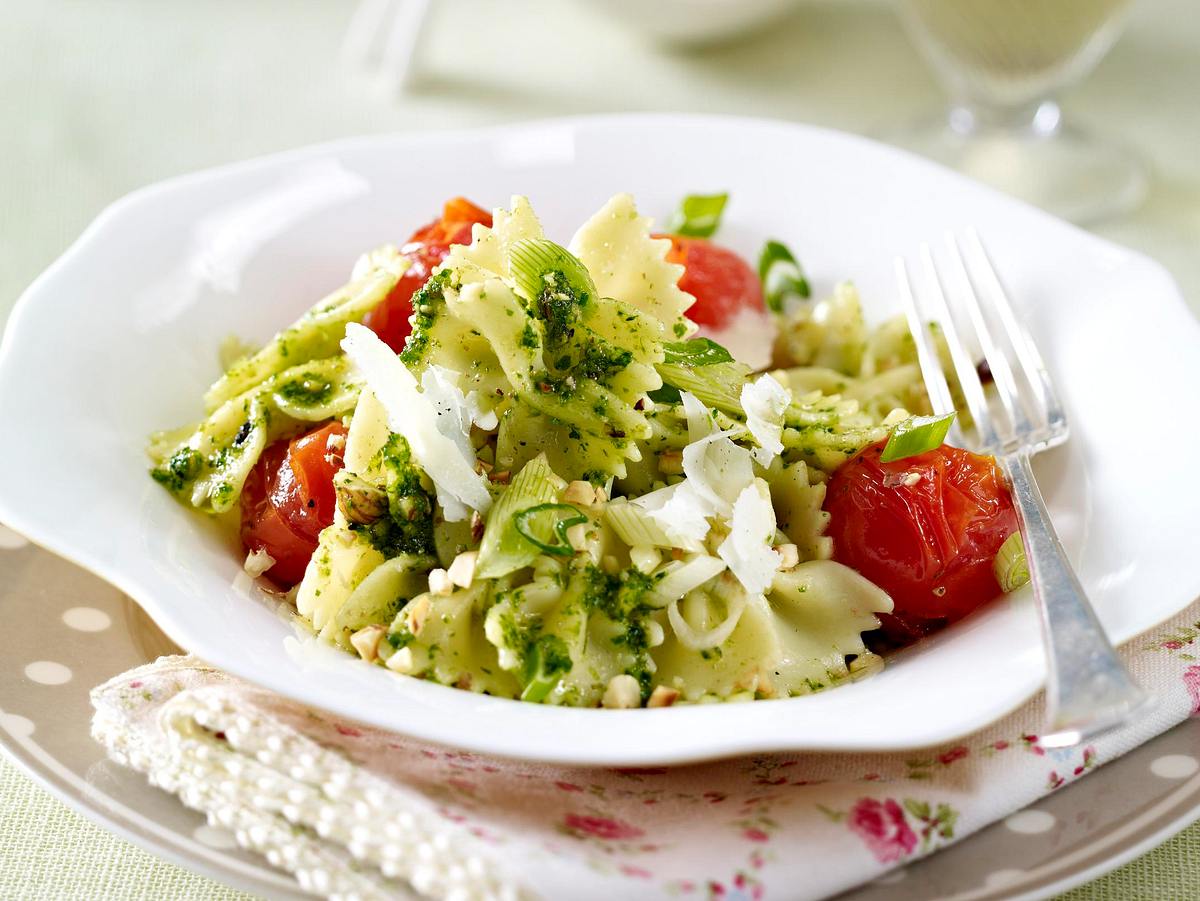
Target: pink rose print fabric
(1191,680)
(788,826)
(884,828)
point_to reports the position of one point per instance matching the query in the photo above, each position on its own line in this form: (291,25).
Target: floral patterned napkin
(354,812)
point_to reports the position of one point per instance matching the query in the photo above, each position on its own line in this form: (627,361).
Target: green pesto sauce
(426,304)
(622,598)
(179,470)
(529,337)
(309,389)
(408,526)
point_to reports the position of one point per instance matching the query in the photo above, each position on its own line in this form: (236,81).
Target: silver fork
(1088,690)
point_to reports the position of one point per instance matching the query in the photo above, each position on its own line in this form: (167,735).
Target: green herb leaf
(698,216)
(548,661)
(667,394)
(916,435)
(539,524)
(696,352)
(1010,566)
(781,275)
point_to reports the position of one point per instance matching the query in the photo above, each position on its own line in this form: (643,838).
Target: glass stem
(1039,119)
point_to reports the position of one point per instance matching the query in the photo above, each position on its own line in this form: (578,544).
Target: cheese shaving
(434,434)
(680,511)
(747,551)
(765,402)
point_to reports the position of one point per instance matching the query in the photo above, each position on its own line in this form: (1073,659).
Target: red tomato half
(925,529)
(288,499)
(720,280)
(425,249)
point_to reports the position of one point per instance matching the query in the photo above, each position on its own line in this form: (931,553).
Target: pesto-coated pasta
(553,489)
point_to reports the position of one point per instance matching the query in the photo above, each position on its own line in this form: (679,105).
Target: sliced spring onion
(698,215)
(538,264)
(502,549)
(548,521)
(699,603)
(696,352)
(717,385)
(916,435)
(682,577)
(635,526)
(781,275)
(548,661)
(1010,566)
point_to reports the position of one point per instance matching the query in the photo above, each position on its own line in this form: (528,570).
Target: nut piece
(577,535)
(439,582)
(662,696)
(358,499)
(655,635)
(258,561)
(580,492)
(462,571)
(670,463)
(366,642)
(789,555)
(402,661)
(416,613)
(623,692)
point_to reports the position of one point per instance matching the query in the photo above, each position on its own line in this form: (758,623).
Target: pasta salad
(538,471)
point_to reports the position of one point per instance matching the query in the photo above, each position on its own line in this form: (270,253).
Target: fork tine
(927,358)
(1030,360)
(964,365)
(1002,375)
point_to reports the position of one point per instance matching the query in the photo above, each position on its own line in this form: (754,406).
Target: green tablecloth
(103,97)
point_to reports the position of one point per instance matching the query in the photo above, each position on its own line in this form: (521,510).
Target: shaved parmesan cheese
(680,512)
(718,470)
(765,402)
(699,417)
(456,412)
(747,551)
(434,434)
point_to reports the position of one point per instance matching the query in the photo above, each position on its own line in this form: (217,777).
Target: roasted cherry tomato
(425,250)
(721,281)
(925,529)
(288,499)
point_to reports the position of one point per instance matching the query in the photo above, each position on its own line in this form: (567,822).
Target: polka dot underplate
(67,631)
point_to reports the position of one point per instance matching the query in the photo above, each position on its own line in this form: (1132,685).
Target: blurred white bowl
(695,22)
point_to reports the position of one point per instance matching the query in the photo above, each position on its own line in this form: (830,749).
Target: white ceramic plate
(119,338)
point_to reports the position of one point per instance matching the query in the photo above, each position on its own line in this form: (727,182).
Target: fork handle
(1088,689)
